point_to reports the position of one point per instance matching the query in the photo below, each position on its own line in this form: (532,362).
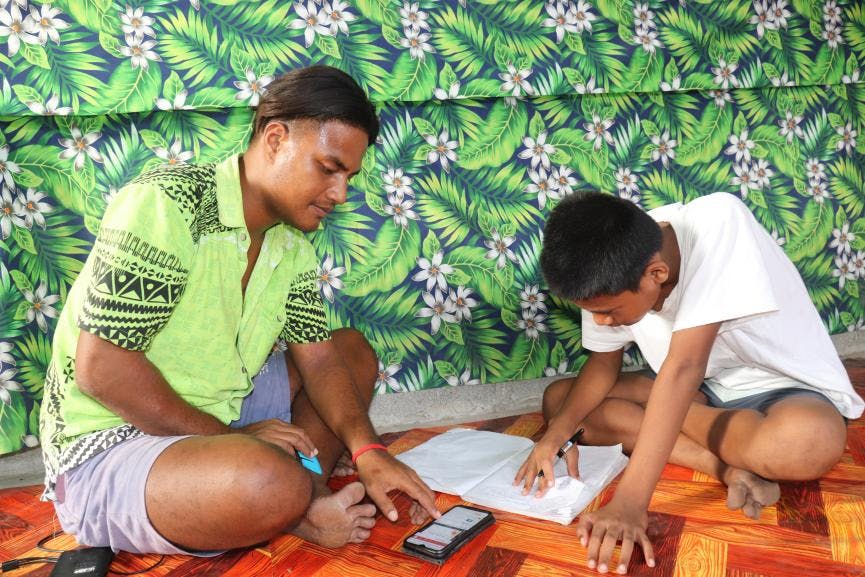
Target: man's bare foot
(749,492)
(344,467)
(333,520)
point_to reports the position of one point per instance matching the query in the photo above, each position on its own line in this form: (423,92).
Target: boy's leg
(797,438)
(618,420)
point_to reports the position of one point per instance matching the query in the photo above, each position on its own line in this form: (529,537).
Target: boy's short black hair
(597,244)
(319,93)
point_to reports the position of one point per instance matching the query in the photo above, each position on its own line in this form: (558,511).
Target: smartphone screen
(446,534)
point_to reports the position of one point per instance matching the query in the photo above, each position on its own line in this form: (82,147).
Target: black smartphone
(439,539)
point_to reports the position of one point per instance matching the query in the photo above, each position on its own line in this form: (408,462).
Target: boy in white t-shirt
(745,386)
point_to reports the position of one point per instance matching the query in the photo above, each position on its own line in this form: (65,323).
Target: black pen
(566,447)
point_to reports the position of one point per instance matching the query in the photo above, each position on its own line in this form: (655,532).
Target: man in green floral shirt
(157,436)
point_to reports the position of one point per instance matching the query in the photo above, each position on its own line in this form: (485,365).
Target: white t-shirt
(733,272)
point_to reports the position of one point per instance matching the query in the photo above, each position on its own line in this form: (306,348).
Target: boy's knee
(806,452)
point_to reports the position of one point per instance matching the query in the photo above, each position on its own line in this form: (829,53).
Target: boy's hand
(542,458)
(601,530)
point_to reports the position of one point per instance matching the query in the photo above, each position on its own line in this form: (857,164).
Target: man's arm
(130,385)
(336,399)
(587,391)
(625,517)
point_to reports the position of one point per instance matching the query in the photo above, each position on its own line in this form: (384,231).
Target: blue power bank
(310,463)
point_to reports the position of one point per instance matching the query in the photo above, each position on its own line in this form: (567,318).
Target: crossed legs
(797,438)
(228,491)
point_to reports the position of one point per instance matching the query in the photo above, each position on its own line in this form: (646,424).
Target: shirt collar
(229,197)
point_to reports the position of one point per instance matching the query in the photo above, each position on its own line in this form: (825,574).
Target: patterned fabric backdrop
(492,111)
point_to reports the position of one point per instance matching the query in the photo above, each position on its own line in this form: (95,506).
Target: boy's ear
(272,136)
(657,270)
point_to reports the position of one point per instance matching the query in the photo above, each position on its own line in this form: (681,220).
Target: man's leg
(362,365)
(618,420)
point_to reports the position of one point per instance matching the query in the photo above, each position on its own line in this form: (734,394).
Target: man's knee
(359,356)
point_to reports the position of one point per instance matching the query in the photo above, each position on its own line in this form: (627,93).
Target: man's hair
(319,93)
(597,245)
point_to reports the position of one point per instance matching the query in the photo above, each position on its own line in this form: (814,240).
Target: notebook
(480,466)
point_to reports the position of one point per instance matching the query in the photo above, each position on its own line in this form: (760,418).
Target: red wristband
(364,449)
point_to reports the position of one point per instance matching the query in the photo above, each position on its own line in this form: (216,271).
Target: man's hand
(284,435)
(542,458)
(601,530)
(381,473)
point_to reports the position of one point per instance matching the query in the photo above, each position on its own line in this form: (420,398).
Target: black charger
(90,562)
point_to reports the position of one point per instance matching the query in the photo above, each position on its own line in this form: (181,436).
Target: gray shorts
(758,401)
(101,502)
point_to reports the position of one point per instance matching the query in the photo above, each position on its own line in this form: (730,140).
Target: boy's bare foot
(333,520)
(749,492)
(344,467)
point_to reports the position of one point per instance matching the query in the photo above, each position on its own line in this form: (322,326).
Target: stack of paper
(480,467)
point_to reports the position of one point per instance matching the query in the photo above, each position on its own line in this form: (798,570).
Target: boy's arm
(625,518)
(587,391)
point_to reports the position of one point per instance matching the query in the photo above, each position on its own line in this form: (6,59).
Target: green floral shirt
(164,278)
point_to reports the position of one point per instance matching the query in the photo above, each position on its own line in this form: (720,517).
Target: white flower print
(664,148)
(598,131)
(401,209)
(741,146)
(532,298)
(46,24)
(413,18)
(453,92)
(626,181)
(139,51)
(588,88)
(253,87)
(463,380)
(7,167)
(443,150)
(338,16)
(397,183)
(851,78)
(538,150)
(761,173)
(8,214)
(30,208)
(543,185)
(779,240)
(327,278)
(744,179)
(136,24)
(848,138)
(721,97)
(562,369)
(814,168)
(515,81)
(5,357)
(561,18)
(643,17)
(417,44)
(462,302)
(174,155)
(7,384)
(818,191)
(565,183)
(833,36)
(50,108)
(857,263)
(843,271)
(312,20)
(80,146)
(532,323)
(831,13)
(672,86)
(16,29)
(762,18)
(582,17)
(842,238)
(433,272)
(438,309)
(783,80)
(790,127)
(179,102)
(779,13)
(40,306)
(499,249)
(648,39)
(385,380)
(724,74)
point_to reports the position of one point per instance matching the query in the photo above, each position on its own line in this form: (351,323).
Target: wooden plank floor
(817,528)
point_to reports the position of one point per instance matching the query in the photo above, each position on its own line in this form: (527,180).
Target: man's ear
(657,270)
(272,137)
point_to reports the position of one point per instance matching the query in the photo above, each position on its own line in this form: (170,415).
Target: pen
(567,446)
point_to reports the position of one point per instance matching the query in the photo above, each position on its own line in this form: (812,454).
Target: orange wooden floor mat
(817,528)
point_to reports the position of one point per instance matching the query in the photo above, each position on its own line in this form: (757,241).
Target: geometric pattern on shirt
(193,189)
(305,318)
(134,287)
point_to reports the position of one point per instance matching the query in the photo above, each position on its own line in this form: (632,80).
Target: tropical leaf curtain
(492,111)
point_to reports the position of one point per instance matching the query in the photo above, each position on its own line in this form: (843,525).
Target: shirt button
(243,236)
(280,317)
